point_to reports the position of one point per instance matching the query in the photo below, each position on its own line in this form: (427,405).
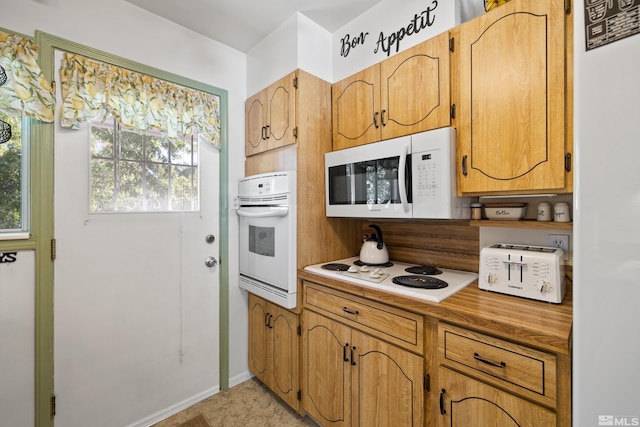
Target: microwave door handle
(401,178)
(272,212)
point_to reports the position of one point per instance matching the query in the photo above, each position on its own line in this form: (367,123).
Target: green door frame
(40,241)
(42,219)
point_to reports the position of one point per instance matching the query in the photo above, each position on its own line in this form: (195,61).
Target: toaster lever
(522,263)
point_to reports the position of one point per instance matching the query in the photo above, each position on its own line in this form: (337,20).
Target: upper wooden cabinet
(511,92)
(404,94)
(270,116)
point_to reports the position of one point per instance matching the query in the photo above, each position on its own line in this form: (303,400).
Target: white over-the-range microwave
(408,177)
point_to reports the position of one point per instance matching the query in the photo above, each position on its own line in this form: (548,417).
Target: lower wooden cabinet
(487,381)
(352,378)
(466,402)
(274,348)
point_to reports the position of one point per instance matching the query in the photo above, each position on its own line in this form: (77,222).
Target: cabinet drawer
(510,365)
(380,320)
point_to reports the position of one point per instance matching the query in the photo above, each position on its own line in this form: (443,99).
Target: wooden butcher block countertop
(537,323)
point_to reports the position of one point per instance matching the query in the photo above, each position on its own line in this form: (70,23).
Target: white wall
(297,43)
(606,229)
(384,22)
(301,43)
(122,29)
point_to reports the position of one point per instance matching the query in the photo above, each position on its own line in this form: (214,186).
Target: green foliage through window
(139,172)
(13,178)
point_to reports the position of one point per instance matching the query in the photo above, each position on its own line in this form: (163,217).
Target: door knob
(210,262)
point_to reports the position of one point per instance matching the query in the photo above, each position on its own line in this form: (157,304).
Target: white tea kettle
(373,250)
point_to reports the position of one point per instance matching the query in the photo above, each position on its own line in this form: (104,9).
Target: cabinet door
(356,109)
(284,354)
(415,88)
(255,122)
(258,337)
(327,370)
(467,402)
(281,123)
(511,110)
(387,384)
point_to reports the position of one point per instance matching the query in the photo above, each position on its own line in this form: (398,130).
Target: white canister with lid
(561,212)
(544,212)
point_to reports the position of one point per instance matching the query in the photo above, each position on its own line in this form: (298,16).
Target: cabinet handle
(464,165)
(344,352)
(489,362)
(567,162)
(266,132)
(269,324)
(266,319)
(382,120)
(353,356)
(375,119)
(263,133)
(348,310)
(442,410)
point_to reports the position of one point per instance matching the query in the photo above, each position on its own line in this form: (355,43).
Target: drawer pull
(489,362)
(344,352)
(348,310)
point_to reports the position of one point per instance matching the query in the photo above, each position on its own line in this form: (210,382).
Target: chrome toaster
(535,272)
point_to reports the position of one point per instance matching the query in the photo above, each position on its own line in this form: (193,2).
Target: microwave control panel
(427,179)
(434,178)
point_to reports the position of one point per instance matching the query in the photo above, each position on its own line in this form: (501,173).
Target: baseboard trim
(181,406)
(174,409)
(238,379)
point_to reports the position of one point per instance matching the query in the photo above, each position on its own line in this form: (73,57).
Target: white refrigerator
(606,353)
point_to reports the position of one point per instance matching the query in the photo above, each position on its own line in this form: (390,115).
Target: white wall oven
(267,211)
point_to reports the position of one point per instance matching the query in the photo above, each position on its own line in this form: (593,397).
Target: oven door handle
(272,212)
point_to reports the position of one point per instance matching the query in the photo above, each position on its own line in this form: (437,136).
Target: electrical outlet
(234,202)
(560,241)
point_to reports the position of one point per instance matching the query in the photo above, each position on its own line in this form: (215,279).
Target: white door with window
(136,307)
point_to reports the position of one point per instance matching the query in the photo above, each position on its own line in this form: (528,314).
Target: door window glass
(142,171)
(14,174)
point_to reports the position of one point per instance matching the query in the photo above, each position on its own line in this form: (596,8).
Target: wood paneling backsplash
(447,244)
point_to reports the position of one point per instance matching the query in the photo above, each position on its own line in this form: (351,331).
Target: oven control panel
(253,189)
(534,272)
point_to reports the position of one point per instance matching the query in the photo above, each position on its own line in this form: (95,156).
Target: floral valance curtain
(23,88)
(91,88)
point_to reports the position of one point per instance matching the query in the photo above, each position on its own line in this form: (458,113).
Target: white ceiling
(241,24)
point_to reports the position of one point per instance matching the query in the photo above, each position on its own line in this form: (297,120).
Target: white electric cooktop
(381,277)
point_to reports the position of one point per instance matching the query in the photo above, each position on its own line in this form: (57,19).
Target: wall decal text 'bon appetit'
(391,42)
